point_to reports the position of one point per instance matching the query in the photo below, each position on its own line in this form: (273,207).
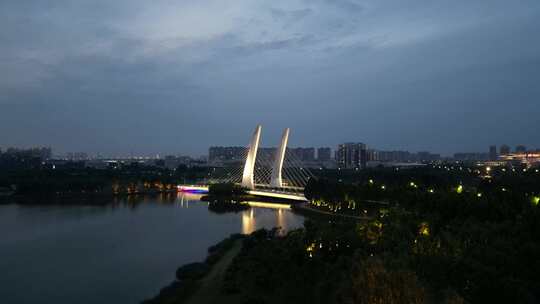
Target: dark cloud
(120,77)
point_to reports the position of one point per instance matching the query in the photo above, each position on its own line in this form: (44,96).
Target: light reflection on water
(249,221)
(120,252)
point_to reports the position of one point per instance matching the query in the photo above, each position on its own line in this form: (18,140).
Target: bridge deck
(296,196)
(276,194)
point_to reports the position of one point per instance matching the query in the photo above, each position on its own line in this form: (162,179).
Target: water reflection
(281,221)
(279,206)
(281,216)
(126,247)
(248,222)
(185,198)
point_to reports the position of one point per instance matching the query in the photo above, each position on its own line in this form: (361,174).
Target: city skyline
(133,76)
(328,151)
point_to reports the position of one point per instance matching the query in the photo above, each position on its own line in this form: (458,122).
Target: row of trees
(493,197)
(128,180)
(449,245)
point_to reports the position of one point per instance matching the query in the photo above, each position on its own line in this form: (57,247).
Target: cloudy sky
(150,77)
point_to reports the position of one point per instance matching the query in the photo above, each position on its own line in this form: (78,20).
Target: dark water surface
(117,253)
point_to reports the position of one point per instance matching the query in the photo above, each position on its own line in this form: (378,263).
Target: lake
(122,252)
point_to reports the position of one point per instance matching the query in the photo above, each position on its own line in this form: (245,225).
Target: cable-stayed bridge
(270,172)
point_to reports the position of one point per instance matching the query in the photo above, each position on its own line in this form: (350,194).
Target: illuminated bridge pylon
(248,180)
(276,179)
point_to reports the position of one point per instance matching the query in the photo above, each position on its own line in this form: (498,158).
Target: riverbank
(200,282)
(78,198)
(209,291)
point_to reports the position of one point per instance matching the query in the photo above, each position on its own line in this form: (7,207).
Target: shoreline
(196,282)
(88,198)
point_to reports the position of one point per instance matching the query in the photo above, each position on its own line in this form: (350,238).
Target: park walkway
(307,208)
(209,291)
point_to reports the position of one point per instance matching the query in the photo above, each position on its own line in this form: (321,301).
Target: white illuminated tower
(249,168)
(276,180)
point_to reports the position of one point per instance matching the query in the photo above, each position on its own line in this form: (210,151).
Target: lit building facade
(352,155)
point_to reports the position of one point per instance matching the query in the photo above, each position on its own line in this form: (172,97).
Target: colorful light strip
(192,189)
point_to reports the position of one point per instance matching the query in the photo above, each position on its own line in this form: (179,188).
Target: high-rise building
(352,155)
(521,149)
(302,154)
(43,153)
(324,154)
(493,152)
(372,155)
(14,158)
(505,149)
(226,154)
(308,154)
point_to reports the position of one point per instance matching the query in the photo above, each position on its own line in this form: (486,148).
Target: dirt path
(209,290)
(305,207)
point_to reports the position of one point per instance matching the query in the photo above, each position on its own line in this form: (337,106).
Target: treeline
(128,180)
(323,263)
(495,197)
(464,237)
(402,257)
(226,189)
